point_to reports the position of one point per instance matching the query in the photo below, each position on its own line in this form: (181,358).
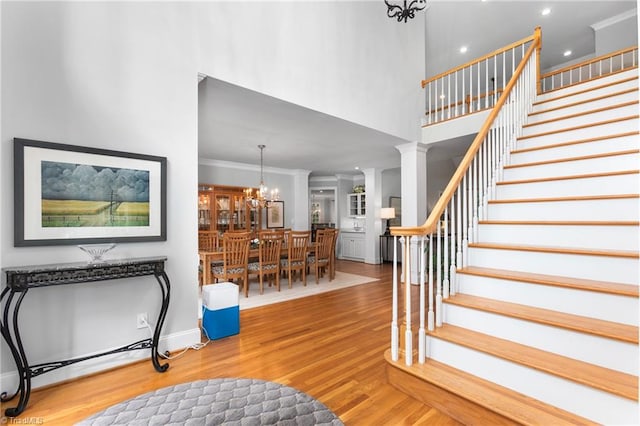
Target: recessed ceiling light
(463,49)
(567,53)
(442,96)
(545,11)
(357,168)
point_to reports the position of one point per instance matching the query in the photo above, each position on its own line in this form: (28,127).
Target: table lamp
(387,213)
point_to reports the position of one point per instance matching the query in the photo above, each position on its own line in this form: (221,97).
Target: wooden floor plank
(330,346)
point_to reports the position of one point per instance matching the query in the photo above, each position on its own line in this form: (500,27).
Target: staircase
(543,326)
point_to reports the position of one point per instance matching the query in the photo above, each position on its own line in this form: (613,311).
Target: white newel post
(413,161)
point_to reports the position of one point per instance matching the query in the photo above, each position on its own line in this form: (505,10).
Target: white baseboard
(172,342)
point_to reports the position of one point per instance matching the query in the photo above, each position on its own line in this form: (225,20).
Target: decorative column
(413,160)
(300,214)
(373,223)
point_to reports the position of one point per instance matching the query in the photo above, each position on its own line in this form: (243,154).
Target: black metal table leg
(163,281)
(17,351)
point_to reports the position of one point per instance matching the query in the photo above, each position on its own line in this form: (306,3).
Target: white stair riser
(614,209)
(584,96)
(607,129)
(575,150)
(613,237)
(587,117)
(548,338)
(606,164)
(601,185)
(582,400)
(613,99)
(596,82)
(599,268)
(608,307)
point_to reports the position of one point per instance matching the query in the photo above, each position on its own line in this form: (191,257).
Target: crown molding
(249,167)
(614,19)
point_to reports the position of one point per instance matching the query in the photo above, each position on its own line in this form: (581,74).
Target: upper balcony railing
(476,85)
(593,68)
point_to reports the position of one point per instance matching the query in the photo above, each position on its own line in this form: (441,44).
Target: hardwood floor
(330,346)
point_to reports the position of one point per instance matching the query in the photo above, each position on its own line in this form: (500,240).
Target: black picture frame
(275,214)
(59,195)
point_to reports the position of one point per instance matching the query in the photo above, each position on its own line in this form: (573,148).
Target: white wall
(343,58)
(119,76)
(123,76)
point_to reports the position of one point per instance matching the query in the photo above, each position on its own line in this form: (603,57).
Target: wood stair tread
(580,176)
(586,101)
(580,114)
(562,199)
(555,280)
(590,89)
(562,222)
(569,159)
(584,126)
(605,379)
(564,250)
(506,402)
(576,141)
(596,327)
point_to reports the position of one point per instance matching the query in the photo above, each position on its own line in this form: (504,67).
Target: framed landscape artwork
(68,194)
(275,214)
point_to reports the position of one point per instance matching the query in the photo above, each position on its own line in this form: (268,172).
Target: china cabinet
(224,208)
(357,204)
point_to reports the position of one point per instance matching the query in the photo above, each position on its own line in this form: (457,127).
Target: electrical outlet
(142,320)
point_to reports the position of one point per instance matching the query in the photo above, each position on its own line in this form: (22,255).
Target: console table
(19,280)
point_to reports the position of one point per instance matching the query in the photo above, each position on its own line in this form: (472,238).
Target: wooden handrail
(430,224)
(482,58)
(588,62)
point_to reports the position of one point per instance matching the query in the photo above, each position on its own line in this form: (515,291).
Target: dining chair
(207,240)
(296,260)
(269,247)
(319,261)
(332,259)
(235,259)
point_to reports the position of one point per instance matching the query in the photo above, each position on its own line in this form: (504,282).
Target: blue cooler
(220,310)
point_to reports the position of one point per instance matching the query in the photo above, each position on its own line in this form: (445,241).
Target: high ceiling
(234,120)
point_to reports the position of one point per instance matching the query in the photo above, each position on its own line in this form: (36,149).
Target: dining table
(207,257)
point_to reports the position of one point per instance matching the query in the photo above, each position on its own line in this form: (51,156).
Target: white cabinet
(357,204)
(352,245)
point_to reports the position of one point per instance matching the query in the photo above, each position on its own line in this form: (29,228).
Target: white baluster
(439,277)
(453,284)
(445,251)
(459,225)
(465,220)
(408,335)
(421,333)
(394,307)
(431,315)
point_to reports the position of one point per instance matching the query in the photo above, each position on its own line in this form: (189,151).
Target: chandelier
(258,197)
(405,12)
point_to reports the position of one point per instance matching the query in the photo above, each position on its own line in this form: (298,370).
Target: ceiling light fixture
(258,198)
(567,53)
(545,11)
(463,49)
(404,12)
